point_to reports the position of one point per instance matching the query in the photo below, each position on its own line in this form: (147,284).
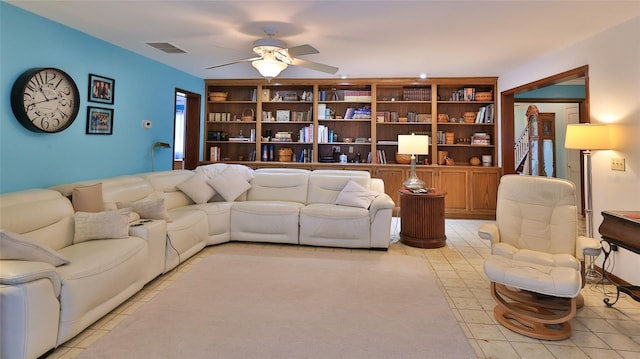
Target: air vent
(166,47)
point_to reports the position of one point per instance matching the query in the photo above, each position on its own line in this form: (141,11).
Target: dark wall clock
(45,100)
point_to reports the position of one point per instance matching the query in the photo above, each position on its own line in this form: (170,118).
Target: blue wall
(144,89)
(555,91)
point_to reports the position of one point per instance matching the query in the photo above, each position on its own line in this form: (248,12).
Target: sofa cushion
(230,184)
(355,195)
(147,209)
(101,225)
(20,247)
(197,188)
(88,198)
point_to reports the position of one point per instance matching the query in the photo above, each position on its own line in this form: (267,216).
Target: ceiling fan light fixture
(269,67)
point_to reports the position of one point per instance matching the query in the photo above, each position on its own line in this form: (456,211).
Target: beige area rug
(278,303)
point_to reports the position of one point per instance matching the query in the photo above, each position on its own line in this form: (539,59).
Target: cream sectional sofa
(43,305)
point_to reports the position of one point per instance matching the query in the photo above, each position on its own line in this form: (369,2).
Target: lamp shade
(269,67)
(413,144)
(587,136)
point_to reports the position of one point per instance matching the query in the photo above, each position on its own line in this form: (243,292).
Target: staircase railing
(521,147)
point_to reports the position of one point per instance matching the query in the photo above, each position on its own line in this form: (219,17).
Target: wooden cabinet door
(454,183)
(426,174)
(393,178)
(484,190)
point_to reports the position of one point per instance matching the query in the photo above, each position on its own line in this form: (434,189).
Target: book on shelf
(214,154)
(353,113)
(382,157)
(239,139)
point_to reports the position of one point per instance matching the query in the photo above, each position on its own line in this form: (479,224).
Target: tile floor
(599,332)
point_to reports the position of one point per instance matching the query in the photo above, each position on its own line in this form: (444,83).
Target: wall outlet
(617,164)
(335,149)
(350,149)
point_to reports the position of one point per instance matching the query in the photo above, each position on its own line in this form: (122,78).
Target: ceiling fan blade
(235,62)
(314,66)
(302,50)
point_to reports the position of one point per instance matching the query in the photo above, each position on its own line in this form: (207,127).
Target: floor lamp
(413,145)
(588,137)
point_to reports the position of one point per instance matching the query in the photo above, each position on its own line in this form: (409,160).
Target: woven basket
(217,96)
(403,158)
(469,117)
(247,116)
(484,96)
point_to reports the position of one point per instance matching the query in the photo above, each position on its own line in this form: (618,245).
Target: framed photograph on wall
(101,89)
(99,121)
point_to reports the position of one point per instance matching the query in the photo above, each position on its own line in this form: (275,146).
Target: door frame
(192,129)
(508,107)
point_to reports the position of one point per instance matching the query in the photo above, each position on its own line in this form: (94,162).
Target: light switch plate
(617,164)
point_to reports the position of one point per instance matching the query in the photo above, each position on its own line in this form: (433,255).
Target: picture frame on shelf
(283,115)
(99,121)
(101,89)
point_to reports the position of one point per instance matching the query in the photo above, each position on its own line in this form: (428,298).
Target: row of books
(220,117)
(215,154)
(362,113)
(463,94)
(345,95)
(416,94)
(393,116)
(486,114)
(306,134)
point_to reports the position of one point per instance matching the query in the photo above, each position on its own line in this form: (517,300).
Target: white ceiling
(362,38)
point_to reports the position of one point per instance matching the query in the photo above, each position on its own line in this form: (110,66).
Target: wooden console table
(422,219)
(621,228)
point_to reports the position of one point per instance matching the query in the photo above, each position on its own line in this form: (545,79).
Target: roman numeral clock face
(45,100)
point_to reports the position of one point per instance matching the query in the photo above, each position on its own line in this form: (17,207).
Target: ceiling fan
(274,56)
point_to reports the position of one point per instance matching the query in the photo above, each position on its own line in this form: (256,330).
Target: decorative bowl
(403,159)
(217,96)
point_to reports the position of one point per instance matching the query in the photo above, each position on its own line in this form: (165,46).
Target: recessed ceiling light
(423,76)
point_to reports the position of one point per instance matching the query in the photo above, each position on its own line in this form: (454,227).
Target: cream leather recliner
(536,265)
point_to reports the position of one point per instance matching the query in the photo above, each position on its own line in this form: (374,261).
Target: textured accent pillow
(20,247)
(101,225)
(355,195)
(230,184)
(88,198)
(148,209)
(197,188)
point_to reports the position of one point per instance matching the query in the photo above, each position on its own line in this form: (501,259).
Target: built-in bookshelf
(319,119)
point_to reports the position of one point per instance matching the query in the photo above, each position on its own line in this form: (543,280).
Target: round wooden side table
(422,219)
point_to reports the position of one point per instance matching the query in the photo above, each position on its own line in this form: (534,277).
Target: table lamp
(413,145)
(588,137)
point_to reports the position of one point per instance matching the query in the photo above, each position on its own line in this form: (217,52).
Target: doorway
(508,111)
(186,130)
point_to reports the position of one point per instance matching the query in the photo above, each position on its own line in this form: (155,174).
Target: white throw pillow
(355,195)
(101,225)
(148,209)
(230,184)
(197,188)
(20,247)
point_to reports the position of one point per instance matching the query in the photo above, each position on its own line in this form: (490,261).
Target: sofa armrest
(382,201)
(14,272)
(586,246)
(489,231)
